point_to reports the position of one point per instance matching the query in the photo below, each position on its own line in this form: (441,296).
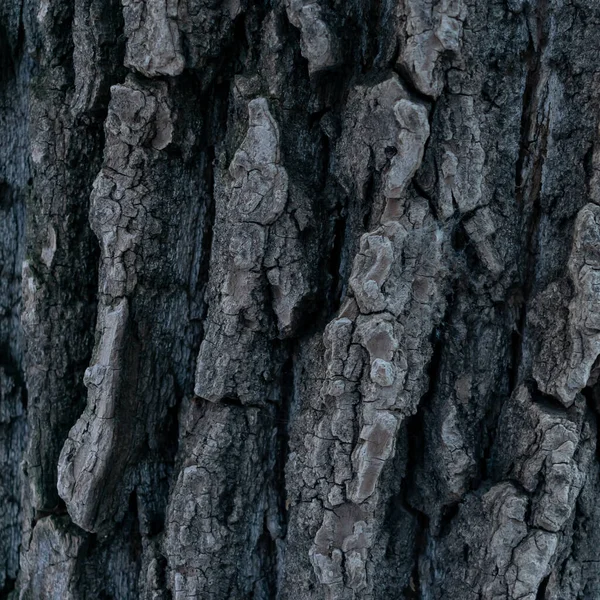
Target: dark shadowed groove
(6,593)
(336,258)
(373,16)
(534,58)
(592,398)
(489,434)
(516,341)
(415,429)
(541,593)
(528,180)
(528,191)
(135,537)
(282,437)
(282,422)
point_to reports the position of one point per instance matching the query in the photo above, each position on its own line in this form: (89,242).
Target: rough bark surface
(299,299)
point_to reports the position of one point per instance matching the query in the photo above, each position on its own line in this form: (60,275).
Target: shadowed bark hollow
(299,299)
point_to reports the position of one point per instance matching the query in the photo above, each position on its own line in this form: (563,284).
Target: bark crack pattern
(298,299)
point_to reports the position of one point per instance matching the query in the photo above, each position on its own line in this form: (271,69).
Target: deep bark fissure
(335,260)
(282,417)
(281,450)
(541,593)
(529,172)
(529,113)
(7,590)
(415,428)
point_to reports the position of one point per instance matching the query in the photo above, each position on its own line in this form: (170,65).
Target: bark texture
(299,299)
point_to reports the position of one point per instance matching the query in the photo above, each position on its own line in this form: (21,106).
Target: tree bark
(299,299)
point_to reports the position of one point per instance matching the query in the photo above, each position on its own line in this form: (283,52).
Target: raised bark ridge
(375,346)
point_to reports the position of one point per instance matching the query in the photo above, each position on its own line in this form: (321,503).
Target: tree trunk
(300,299)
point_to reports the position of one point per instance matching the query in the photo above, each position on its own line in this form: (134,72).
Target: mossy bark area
(299,299)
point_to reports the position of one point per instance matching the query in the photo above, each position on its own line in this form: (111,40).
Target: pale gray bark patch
(317,43)
(431,28)
(216,522)
(568,373)
(248,215)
